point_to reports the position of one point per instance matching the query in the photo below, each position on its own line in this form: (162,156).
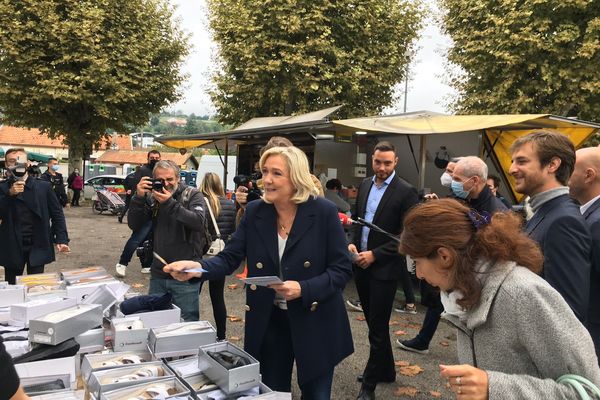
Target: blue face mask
(55,167)
(458,188)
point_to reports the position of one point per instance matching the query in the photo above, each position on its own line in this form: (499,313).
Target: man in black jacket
(27,206)
(177,214)
(383,199)
(56,179)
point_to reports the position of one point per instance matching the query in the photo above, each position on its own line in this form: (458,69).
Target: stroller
(106,200)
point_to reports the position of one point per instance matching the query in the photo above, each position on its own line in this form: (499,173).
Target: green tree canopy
(279,57)
(78,67)
(525,56)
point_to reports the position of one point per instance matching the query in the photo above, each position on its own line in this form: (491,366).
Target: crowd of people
(522,294)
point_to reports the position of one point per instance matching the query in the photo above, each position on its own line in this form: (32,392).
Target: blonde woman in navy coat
(293,234)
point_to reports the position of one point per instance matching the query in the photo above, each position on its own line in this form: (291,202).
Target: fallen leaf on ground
(408,391)
(414,326)
(361,318)
(435,393)
(400,333)
(234,338)
(233,318)
(444,343)
(232,286)
(401,363)
(392,323)
(137,285)
(411,370)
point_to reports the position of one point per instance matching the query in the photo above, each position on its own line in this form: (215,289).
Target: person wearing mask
(223,211)
(303,317)
(383,200)
(177,215)
(32,220)
(584,186)
(508,319)
(493,183)
(142,232)
(542,163)
(75,183)
(332,193)
(56,179)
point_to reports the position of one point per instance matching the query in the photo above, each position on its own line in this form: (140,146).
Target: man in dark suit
(27,205)
(542,163)
(56,179)
(383,200)
(584,186)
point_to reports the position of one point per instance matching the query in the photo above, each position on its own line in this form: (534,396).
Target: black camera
(158,185)
(144,253)
(250,182)
(16,173)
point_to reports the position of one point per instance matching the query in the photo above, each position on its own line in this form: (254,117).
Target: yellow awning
(184,144)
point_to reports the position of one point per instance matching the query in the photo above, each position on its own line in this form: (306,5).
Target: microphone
(347,221)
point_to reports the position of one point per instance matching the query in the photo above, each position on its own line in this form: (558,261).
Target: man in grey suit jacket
(383,199)
(584,187)
(542,163)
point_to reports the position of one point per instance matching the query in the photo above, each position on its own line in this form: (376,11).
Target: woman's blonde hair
(298,170)
(212,188)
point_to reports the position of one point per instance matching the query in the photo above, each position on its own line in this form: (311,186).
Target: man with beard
(139,235)
(177,217)
(383,200)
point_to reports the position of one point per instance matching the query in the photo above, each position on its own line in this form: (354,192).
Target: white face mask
(446,179)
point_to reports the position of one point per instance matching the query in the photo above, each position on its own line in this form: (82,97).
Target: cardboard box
(54,329)
(154,319)
(199,383)
(185,366)
(261,391)
(181,338)
(128,339)
(21,314)
(12,294)
(34,385)
(97,362)
(81,291)
(57,366)
(68,395)
(105,296)
(137,390)
(91,341)
(232,380)
(102,381)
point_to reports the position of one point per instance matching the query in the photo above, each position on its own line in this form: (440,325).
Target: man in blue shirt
(383,200)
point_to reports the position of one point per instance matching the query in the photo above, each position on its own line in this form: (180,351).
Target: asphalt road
(99,239)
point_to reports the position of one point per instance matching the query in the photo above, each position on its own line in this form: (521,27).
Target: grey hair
(167,164)
(473,166)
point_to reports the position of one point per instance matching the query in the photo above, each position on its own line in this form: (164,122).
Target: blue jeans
(134,241)
(185,295)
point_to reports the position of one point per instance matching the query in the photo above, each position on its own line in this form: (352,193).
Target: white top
(279,299)
(587,205)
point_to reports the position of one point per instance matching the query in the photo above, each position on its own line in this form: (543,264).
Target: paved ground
(99,239)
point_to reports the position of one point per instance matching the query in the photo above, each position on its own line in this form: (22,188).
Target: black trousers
(11,274)
(377,298)
(215,289)
(76,196)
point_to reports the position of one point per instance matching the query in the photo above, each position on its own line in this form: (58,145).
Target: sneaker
(145,270)
(355,305)
(412,345)
(407,309)
(121,269)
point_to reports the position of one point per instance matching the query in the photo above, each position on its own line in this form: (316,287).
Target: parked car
(113,183)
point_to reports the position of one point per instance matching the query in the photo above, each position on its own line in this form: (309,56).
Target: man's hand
(241,196)
(176,268)
(365,259)
(63,248)
(144,186)
(290,290)
(468,382)
(162,196)
(17,188)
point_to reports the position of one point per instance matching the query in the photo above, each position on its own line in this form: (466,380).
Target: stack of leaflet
(40,282)
(86,275)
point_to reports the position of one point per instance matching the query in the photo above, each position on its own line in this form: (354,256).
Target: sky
(427,89)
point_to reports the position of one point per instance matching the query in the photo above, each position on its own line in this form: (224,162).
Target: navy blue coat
(565,240)
(316,256)
(592,217)
(41,200)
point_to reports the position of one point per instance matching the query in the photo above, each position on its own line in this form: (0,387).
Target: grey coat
(525,336)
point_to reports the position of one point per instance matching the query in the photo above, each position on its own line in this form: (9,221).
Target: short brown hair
(547,145)
(446,223)
(276,141)
(384,145)
(14,150)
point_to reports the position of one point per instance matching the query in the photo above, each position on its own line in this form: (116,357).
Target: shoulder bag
(217,244)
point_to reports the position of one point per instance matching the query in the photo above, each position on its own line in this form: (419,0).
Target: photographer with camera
(176,214)
(137,236)
(32,220)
